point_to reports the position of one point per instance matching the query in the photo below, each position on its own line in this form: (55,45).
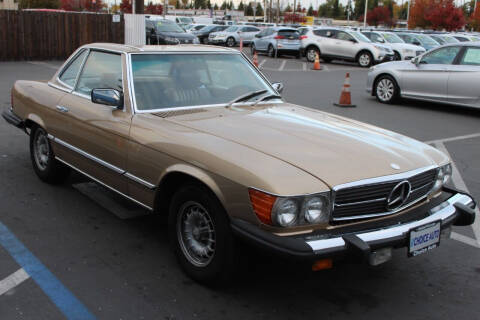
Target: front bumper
(217,40)
(455,208)
(385,58)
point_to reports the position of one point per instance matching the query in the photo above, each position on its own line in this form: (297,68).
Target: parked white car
(232,35)
(401,50)
(342,44)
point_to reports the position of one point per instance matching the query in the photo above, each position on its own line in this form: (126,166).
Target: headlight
(315,210)
(285,212)
(290,211)
(380,48)
(443,176)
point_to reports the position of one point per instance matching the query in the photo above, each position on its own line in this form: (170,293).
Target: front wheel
(205,40)
(311,54)
(365,59)
(47,168)
(386,89)
(201,236)
(230,42)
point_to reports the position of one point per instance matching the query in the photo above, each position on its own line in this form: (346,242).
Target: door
(262,42)
(97,136)
(345,45)
(428,79)
(326,41)
(464,78)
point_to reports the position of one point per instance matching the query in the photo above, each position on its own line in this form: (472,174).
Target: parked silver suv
(343,44)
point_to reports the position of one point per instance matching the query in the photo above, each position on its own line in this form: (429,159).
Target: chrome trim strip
(89,156)
(103,184)
(359,202)
(81,69)
(139,180)
(381,214)
(441,212)
(53,85)
(389,178)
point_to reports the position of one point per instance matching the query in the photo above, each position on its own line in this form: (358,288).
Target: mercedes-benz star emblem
(399,195)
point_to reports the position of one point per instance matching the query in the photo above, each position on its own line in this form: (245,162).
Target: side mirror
(278,86)
(108,97)
(381,40)
(415,42)
(353,40)
(415,61)
(258,36)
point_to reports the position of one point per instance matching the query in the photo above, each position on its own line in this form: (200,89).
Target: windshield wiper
(246,96)
(267,97)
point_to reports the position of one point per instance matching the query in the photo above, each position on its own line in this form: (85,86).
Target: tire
(230,42)
(271,51)
(311,52)
(253,49)
(365,59)
(195,207)
(47,168)
(386,89)
(205,40)
(396,56)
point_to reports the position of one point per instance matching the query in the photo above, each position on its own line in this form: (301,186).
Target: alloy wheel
(230,42)
(385,90)
(364,60)
(41,149)
(311,55)
(196,233)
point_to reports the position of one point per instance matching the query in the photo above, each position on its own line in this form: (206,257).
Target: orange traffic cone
(316,64)
(345,97)
(241,44)
(255,59)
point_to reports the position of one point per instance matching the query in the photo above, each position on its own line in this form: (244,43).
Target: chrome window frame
(132,88)
(68,88)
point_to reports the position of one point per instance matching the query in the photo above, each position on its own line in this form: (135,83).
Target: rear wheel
(396,56)
(271,51)
(253,49)
(205,40)
(386,89)
(230,42)
(365,59)
(201,236)
(47,168)
(311,54)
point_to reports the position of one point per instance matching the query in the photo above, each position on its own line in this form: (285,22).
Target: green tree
(259,11)
(215,7)
(310,11)
(288,8)
(209,4)
(224,5)
(241,6)
(200,4)
(249,10)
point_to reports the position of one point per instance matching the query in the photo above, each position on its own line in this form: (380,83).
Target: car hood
(406,46)
(334,149)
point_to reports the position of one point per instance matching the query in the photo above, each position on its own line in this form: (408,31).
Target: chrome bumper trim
(441,212)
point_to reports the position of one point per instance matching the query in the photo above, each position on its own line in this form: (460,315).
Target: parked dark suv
(167,32)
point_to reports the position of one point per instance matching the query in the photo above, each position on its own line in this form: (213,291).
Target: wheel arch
(32,120)
(314,46)
(177,175)
(362,51)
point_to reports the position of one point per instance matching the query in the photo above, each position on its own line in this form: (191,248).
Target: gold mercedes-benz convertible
(199,135)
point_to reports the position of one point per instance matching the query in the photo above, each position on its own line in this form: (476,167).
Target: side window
(441,56)
(368,35)
(244,29)
(262,33)
(102,70)
(344,36)
(471,57)
(69,75)
(377,38)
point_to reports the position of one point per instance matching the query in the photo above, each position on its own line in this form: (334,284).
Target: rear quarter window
(471,57)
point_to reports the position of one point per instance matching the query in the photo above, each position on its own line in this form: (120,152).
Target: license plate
(424,238)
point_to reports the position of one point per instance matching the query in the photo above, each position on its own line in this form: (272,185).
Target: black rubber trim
(286,246)
(13,119)
(466,215)
(357,245)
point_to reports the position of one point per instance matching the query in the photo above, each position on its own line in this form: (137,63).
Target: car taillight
(262,204)
(279,37)
(303,37)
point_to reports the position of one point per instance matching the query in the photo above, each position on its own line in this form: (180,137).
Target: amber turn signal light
(262,204)
(322,264)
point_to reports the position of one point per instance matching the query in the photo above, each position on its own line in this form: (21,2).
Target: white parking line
(304,66)
(467,136)
(284,62)
(262,63)
(460,184)
(13,280)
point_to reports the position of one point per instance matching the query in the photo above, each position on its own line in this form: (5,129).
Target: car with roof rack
(199,136)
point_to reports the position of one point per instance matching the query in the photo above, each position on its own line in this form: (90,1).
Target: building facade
(8,5)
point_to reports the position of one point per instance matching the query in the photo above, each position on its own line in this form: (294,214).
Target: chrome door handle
(62,109)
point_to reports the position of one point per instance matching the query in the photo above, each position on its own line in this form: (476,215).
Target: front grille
(371,200)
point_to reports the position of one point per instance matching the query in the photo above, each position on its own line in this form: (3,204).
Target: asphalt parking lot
(95,264)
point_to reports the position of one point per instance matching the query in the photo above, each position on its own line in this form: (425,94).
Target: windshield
(427,40)
(168,26)
(185,20)
(359,36)
(392,38)
(449,39)
(231,29)
(208,28)
(182,80)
